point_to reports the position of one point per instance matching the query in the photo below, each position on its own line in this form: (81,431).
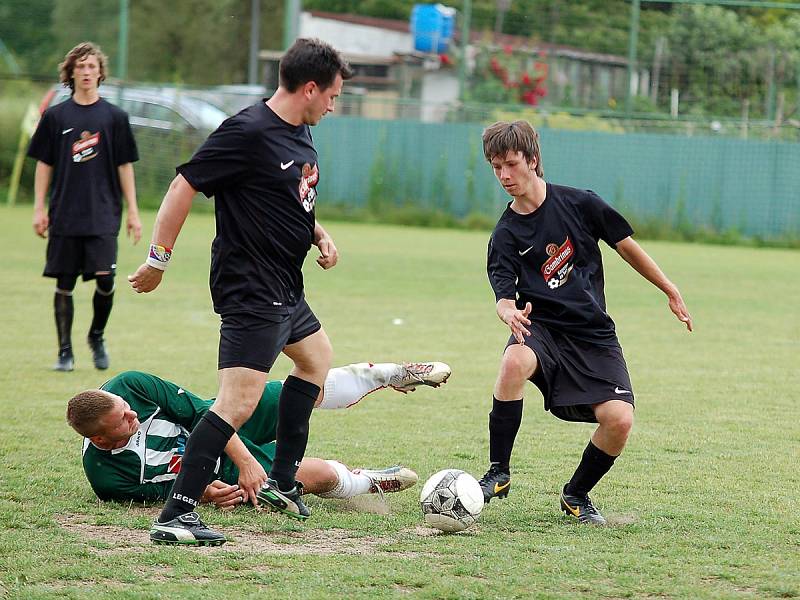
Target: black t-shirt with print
(84,144)
(262,172)
(551,258)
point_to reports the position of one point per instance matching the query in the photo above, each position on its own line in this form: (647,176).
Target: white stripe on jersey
(154,458)
(163,428)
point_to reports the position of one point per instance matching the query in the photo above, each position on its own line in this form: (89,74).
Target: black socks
(64,310)
(294,411)
(102,301)
(594,464)
(205,445)
(504,422)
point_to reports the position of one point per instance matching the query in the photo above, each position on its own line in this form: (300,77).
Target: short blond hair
(85,410)
(503,137)
(79,52)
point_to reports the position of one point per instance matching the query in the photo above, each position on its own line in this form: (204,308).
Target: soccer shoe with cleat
(186,529)
(65,361)
(289,503)
(99,354)
(496,483)
(411,375)
(581,508)
(391,479)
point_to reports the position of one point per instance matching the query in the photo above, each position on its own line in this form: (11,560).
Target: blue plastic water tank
(432,27)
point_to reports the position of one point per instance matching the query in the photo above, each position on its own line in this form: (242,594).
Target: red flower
(508,49)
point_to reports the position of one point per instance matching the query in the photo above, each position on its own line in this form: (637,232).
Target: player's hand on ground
(146,279)
(40,223)
(677,306)
(222,495)
(134,227)
(328,254)
(518,321)
(251,477)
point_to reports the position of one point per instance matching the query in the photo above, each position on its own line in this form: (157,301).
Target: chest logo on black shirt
(308,186)
(557,268)
(86,147)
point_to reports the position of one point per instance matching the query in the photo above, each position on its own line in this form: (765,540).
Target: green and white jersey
(146,467)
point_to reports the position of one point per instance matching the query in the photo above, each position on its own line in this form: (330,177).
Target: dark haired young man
(86,148)
(546,270)
(261,167)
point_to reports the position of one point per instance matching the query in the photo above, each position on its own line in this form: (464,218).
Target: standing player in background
(546,270)
(262,169)
(85,147)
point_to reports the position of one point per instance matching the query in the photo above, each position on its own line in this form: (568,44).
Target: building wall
(350,38)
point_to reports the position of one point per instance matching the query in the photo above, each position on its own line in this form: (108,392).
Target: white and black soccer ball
(451,500)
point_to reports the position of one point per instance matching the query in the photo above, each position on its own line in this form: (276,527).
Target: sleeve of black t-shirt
(41,146)
(222,158)
(501,265)
(125,150)
(604,221)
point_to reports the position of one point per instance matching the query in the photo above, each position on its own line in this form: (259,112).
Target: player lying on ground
(136,427)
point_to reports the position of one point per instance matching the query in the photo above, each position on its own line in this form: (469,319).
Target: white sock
(345,386)
(350,484)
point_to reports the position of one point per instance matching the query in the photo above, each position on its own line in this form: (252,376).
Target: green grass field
(703,500)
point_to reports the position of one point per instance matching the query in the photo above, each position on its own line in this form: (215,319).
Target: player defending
(86,148)
(136,426)
(261,167)
(545,268)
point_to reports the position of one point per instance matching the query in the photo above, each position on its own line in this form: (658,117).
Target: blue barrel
(432,27)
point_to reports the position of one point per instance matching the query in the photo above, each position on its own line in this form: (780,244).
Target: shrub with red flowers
(508,77)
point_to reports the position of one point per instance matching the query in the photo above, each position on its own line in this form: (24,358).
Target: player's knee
(515,367)
(619,423)
(65,284)
(105,283)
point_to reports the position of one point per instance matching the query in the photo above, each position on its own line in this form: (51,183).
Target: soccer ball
(451,500)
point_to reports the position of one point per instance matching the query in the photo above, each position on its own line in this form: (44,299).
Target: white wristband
(159,256)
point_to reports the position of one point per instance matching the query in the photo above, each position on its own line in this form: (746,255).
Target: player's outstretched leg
(289,503)
(496,483)
(186,529)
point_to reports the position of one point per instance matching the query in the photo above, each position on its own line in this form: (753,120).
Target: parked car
(164,109)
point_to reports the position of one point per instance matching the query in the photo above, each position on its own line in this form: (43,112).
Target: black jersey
(551,258)
(84,144)
(262,172)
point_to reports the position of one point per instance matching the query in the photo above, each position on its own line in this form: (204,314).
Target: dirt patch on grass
(111,539)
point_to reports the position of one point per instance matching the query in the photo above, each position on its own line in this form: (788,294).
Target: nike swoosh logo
(499,488)
(620,391)
(285,166)
(524,252)
(66,131)
(574,511)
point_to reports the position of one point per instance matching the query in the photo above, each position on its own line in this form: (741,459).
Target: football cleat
(411,375)
(186,529)
(289,503)
(391,479)
(581,508)
(65,360)
(495,483)
(99,354)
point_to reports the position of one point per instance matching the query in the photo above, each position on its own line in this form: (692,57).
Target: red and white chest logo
(557,268)
(175,463)
(86,147)
(308,186)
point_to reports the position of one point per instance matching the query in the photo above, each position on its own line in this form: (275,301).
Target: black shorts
(81,255)
(255,341)
(573,375)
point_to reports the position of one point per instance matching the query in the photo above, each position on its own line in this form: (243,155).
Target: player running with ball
(546,270)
